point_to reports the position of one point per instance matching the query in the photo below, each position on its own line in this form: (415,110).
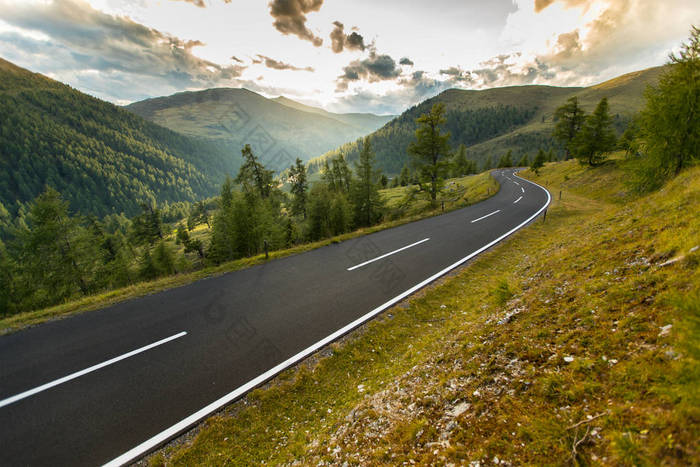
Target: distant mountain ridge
(102,158)
(279,130)
(493,121)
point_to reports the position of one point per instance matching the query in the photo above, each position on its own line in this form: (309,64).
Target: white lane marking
(517,200)
(80,373)
(185,423)
(516,183)
(522,189)
(487,215)
(388,254)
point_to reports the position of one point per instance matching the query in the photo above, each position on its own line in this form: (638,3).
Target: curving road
(109,385)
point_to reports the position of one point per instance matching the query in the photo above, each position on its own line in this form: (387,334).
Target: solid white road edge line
(80,373)
(185,423)
(517,200)
(487,215)
(388,254)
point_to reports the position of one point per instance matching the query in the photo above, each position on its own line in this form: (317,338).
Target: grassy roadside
(575,341)
(467,191)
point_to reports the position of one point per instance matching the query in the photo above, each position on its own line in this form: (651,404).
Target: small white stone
(568,359)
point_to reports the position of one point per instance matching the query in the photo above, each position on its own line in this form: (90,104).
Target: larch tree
(570,118)
(431,151)
(596,137)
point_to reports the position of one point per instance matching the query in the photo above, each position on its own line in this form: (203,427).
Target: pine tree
(252,175)
(461,166)
(488,163)
(405,176)
(596,137)
(524,161)
(430,150)
(570,118)
(299,189)
(669,130)
(506,160)
(367,201)
(538,162)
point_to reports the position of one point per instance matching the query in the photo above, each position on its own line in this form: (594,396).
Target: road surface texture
(109,385)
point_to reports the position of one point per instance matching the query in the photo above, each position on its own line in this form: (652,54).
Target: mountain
(279,130)
(493,121)
(365,122)
(102,158)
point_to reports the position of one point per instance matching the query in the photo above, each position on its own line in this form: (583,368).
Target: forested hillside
(279,130)
(494,121)
(102,158)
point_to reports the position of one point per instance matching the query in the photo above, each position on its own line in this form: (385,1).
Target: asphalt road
(108,385)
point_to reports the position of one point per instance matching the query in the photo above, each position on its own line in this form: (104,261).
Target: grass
(471,189)
(583,349)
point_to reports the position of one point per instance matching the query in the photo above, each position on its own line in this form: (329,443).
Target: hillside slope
(569,354)
(493,121)
(102,158)
(279,130)
(365,122)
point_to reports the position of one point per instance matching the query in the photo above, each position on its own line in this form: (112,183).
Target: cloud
(406,61)
(277,65)
(542,4)
(341,41)
(372,69)
(290,18)
(199,3)
(86,44)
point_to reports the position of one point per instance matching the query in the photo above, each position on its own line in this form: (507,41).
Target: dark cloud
(277,65)
(290,18)
(341,41)
(406,61)
(457,75)
(374,68)
(112,48)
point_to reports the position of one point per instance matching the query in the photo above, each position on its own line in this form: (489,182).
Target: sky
(379,56)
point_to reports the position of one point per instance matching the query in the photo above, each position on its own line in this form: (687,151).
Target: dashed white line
(487,215)
(80,373)
(517,200)
(388,254)
(522,189)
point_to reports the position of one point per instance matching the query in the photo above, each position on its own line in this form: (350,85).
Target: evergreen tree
(524,161)
(252,175)
(538,162)
(368,203)
(669,133)
(488,163)
(58,257)
(198,215)
(596,137)
(384,181)
(462,166)
(570,118)
(506,160)
(405,176)
(430,150)
(299,189)
(222,244)
(147,227)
